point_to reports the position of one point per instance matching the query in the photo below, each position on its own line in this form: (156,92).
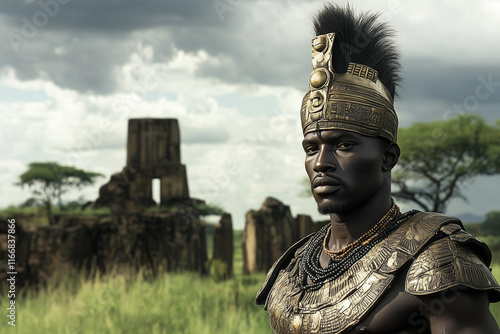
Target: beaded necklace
(365,238)
(309,265)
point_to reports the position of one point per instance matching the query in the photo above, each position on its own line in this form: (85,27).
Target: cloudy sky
(232,71)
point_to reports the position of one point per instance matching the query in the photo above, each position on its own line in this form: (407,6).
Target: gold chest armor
(340,304)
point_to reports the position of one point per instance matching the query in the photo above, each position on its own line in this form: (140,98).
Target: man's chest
(377,305)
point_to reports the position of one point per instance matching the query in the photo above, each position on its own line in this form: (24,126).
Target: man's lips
(326,185)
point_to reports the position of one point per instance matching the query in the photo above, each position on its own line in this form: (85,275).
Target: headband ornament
(354,101)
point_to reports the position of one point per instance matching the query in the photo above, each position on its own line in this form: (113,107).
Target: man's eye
(344,146)
(311,150)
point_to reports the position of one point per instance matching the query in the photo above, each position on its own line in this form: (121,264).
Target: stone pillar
(222,258)
(268,234)
(305,226)
(249,242)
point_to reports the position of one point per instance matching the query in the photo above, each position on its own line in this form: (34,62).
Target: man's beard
(343,207)
(338,208)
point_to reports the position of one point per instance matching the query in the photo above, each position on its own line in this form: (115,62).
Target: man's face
(345,169)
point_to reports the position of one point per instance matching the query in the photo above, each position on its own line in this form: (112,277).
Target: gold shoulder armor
(458,259)
(280,264)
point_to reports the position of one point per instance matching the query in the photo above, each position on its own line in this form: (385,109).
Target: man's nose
(325,161)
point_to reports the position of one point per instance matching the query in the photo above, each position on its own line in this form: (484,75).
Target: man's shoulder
(452,258)
(416,233)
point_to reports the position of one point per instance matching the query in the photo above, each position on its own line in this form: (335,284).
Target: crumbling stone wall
(269,232)
(223,247)
(150,242)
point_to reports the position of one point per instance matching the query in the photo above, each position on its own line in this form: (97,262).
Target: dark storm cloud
(96,37)
(435,90)
(85,65)
(451,83)
(240,68)
(106,16)
(85,42)
(81,43)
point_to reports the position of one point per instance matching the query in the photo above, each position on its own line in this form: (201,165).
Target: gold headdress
(355,100)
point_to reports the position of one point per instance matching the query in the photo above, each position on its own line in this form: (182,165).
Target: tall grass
(176,303)
(171,303)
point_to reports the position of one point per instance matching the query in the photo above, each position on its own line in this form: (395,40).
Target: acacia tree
(48,181)
(439,158)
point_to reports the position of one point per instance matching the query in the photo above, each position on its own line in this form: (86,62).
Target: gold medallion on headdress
(354,101)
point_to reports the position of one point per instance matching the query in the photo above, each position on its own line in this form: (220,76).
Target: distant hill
(470,218)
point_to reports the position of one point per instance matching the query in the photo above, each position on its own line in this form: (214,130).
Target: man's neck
(347,228)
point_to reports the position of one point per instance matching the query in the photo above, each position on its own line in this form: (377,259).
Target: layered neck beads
(343,259)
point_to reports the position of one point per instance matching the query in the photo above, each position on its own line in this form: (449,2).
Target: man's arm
(460,311)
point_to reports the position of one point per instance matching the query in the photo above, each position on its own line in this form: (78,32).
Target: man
(373,269)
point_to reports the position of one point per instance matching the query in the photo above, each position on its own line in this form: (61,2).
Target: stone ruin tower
(153,152)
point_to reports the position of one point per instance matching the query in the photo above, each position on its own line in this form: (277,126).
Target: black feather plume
(361,39)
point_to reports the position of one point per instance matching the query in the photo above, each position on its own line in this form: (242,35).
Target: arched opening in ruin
(156,190)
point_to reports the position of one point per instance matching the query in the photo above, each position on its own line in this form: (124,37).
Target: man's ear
(391,156)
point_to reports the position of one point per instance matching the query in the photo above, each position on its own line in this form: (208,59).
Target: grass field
(179,303)
(171,303)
